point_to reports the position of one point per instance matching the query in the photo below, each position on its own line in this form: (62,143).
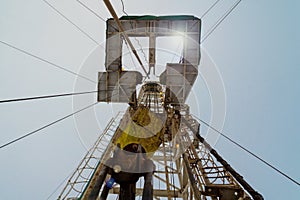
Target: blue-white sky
(256,50)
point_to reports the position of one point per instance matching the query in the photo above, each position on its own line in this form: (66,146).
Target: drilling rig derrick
(154,149)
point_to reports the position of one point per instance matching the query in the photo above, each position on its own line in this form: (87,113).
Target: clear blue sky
(256,50)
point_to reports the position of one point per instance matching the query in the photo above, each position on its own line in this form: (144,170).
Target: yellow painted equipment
(145,125)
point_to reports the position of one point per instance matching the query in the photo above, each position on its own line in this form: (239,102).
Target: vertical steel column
(97,186)
(152,47)
(127,191)
(166,171)
(104,193)
(148,187)
(191,177)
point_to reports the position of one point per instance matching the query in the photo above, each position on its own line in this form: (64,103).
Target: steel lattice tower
(186,167)
(154,150)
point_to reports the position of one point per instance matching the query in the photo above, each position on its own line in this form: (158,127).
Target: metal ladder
(81,177)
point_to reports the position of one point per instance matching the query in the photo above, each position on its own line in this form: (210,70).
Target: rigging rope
(45,97)
(89,9)
(203,15)
(135,38)
(213,28)
(46,61)
(62,15)
(60,184)
(248,151)
(46,126)
(52,123)
(93,12)
(211,7)
(123,8)
(124,34)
